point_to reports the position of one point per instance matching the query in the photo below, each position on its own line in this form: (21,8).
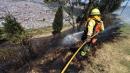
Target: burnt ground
(51,57)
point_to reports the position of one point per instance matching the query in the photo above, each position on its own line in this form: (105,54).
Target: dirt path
(50,34)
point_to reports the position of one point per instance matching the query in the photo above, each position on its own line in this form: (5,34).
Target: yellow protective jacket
(94,26)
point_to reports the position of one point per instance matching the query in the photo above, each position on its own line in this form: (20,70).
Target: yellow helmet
(95,11)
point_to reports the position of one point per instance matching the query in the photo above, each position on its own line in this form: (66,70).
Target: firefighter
(93,25)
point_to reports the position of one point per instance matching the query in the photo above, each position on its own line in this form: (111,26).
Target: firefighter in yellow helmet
(93,25)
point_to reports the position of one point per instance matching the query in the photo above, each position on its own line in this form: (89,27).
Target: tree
(58,21)
(13,30)
(108,6)
(105,6)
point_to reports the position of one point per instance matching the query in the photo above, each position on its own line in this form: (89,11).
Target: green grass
(126,45)
(125,30)
(127,50)
(40,31)
(126,63)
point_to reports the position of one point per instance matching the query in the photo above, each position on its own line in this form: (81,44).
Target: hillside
(39,50)
(28,13)
(113,57)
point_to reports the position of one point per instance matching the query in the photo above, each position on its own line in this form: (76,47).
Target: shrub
(13,30)
(58,21)
(1,32)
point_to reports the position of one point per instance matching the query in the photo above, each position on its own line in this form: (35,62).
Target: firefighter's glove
(88,39)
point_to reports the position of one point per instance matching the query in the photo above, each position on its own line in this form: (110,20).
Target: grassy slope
(41,32)
(114,57)
(125,47)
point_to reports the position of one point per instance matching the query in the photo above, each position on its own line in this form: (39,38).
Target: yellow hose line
(73,57)
(66,66)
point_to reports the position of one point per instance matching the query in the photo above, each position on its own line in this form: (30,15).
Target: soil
(52,57)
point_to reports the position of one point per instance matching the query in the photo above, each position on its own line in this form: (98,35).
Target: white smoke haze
(71,39)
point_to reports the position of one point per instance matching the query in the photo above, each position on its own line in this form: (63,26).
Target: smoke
(71,39)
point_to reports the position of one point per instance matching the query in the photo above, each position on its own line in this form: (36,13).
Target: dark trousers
(90,44)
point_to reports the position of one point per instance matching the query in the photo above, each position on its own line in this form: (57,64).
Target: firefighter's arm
(91,25)
(102,26)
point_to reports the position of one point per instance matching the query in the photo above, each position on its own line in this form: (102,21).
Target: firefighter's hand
(88,39)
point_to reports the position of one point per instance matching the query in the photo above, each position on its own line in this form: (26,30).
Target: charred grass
(110,57)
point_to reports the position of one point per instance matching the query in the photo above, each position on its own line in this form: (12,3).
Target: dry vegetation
(113,57)
(44,32)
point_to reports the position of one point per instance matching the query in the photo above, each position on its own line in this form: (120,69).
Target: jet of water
(72,39)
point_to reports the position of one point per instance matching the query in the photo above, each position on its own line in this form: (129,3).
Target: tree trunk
(88,8)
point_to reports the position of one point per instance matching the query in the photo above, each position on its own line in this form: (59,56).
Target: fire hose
(66,66)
